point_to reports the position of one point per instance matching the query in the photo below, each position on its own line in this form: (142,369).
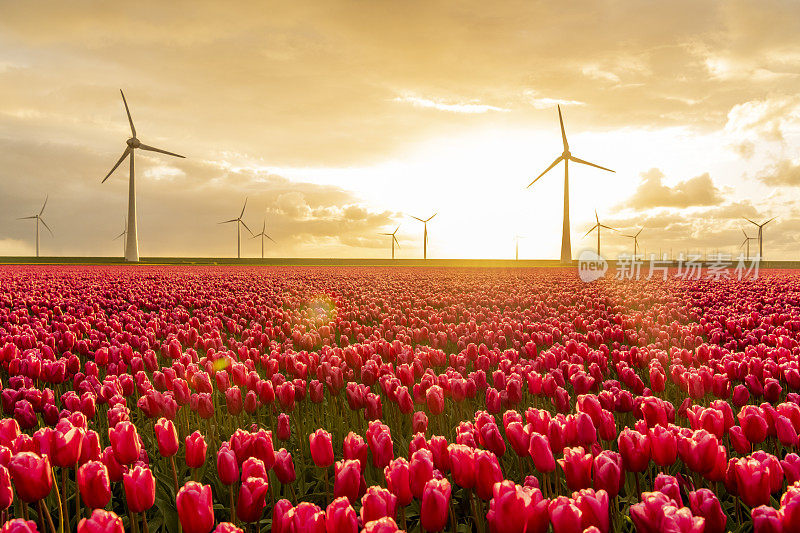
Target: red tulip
(101,521)
(419,422)
(32,476)
(754,425)
(306,517)
(140,489)
(125,442)
(577,467)
(195,508)
(487,473)
(752,481)
(541,453)
(634,449)
(167,437)
(377,503)
(283,431)
(705,503)
(94,484)
(284,467)
(664,446)
(462,462)
(253,467)
(252,499)
(19,525)
(767,519)
(195,450)
(381,525)
(607,472)
(420,471)
(66,445)
(434,398)
(340,517)
(227,467)
(321,448)
(356,448)
(347,479)
(565,516)
(435,505)
(398,480)
(227,527)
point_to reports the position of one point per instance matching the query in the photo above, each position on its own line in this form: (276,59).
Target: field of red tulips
(339,400)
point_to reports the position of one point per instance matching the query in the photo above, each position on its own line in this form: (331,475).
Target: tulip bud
(101,521)
(125,442)
(435,504)
(32,476)
(195,508)
(347,479)
(167,437)
(252,499)
(94,484)
(140,489)
(284,467)
(195,450)
(321,448)
(340,517)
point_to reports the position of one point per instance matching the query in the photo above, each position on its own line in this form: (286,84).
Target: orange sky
(338,119)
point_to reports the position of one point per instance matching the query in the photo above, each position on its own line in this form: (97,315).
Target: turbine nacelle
(133,142)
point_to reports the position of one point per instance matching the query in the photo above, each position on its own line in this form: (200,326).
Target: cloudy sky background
(339,119)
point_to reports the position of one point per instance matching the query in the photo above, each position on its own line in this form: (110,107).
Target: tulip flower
(541,453)
(377,503)
(608,473)
(577,467)
(32,475)
(565,516)
(284,467)
(19,525)
(634,448)
(227,527)
(125,442)
(195,508)
(166,437)
(705,503)
(398,480)
(434,398)
(752,481)
(140,489)
(252,499)
(420,471)
(767,519)
(435,505)
(487,473)
(94,484)
(227,467)
(283,431)
(419,422)
(195,450)
(462,461)
(347,479)
(664,446)
(306,517)
(321,448)
(66,445)
(101,521)
(253,467)
(340,517)
(381,525)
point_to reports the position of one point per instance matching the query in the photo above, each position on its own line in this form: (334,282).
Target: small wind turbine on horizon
(597,226)
(635,238)
(124,232)
(746,241)
(760,234)
(516,246)
(131,239)
(38,218)
(394,238)
(239,221)
(262,234)
(425,236)
(566,156)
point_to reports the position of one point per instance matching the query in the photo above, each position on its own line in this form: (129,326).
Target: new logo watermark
(591,266)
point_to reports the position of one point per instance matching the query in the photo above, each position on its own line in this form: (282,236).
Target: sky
(338,120)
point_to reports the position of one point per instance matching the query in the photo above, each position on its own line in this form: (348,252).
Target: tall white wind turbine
(566,156)
(132,144)
(425,235)
(394,239)
(760,234)
(262,234)
(38,218)
(239,223)
(597,226)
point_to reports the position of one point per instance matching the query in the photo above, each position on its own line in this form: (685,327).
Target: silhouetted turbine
(566,157)
(394,239)
(635,238)
(262,234)
(425,237)
(38,218)
(760,234)
(239,221)
(597,226)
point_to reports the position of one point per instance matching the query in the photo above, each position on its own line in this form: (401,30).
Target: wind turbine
(747,242)
(238,230)
(124,232)
(38,218)
(760,234)
(425,240)
(516,246)
(566,156)
(597,226)
(132,240)
(262,234)
(635,238)
(394,239)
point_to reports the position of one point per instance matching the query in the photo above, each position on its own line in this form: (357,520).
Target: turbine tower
(124,232)
(425,238)
(566,156)
(394,239)
(238,230)
(132,239)
(38,218)
(516,246)
(635,238)
(262,234)
(597,226)
(760,235)
(747,242)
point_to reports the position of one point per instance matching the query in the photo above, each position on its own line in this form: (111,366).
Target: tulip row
(286,399)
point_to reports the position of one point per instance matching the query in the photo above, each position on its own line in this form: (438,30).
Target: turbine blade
(573,158)
(26,218)
(554,163)
(385,233)
(638,232)
(159,150)
(46,226)
(396,241)
(433,215)
(44,205)
(245,226)
(768,221)
(243,208)
(609,227)
(743,243)
(270,238)
(128,111)
(118,236)
(744,232)
(229,221)
(395,230)
(750,221)
(563,133)
(415,218)
(121,159)
(591,230)
(595,217)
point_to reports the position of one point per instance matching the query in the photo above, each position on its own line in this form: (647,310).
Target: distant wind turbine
(597,227)
(124,232)
(38,218)
(425,239)
(132,240)
(566,156)
(635,238)
(516,246)
(747,242)
(238,229)
(262,234)
(760,234)
(394,239)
